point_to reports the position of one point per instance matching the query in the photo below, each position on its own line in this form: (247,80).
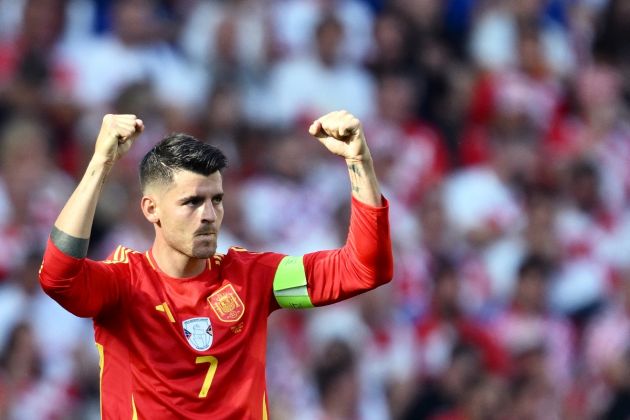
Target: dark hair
(336,361)
(179,151)
(442,267)
(536,264)
(328,21)
(584,169)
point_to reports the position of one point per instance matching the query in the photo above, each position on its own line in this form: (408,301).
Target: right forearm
(77,216)
(74,224)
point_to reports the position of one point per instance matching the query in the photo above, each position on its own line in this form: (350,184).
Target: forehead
(190,183)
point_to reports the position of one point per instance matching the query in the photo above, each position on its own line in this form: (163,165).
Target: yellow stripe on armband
(289,284)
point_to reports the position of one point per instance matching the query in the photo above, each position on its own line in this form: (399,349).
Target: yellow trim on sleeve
(264,413)
(238,249)
(101,364)
(116,256)
(134,412)
(149,260)
(121,255)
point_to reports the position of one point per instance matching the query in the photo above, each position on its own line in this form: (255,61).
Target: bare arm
(364,183)
(72,228)
(342,134)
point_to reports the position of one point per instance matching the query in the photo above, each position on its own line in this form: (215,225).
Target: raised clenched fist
(342,134)
(118,132)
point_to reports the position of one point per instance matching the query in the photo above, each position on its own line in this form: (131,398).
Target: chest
(210,315)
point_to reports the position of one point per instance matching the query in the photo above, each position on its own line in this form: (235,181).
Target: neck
(338,408)
(175,264)
(530,309)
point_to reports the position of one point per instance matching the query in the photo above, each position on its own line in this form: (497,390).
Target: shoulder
(244,256)
(122,255)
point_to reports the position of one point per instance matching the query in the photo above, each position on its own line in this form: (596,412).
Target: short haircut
(177,152)
(442,267)
(336,361)
(535,264)
(584,169)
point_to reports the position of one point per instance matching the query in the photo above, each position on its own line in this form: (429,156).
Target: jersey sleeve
(363,263)
(82,286)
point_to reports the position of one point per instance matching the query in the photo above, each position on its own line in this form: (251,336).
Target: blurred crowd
(500,133)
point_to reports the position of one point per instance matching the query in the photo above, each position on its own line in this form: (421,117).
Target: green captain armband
(289,284)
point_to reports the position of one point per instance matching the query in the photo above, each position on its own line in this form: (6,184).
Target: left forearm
(342,134)
(363,181)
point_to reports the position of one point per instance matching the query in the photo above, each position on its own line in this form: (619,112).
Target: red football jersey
(195,347)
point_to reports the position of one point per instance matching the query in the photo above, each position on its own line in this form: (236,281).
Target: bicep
(318,279)
(336,275)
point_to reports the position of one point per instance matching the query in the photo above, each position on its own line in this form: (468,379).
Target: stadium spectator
(446,325)
(296,21)
(396,129)
(607,343)
(445,394)
(527,326)
(597,130)
(589,236)
(332,80)
(26,391)
(31,188)
(392,52)
(337,383)
(33,73)
(136,41)
(494,36)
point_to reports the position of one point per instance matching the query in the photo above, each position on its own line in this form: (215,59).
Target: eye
(218,199)
(193,202)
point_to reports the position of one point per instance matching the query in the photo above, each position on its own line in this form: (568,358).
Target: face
(134,21)
(397,98)
(43,22)
(187,213)
(446,294)
(328,41)
(531,291)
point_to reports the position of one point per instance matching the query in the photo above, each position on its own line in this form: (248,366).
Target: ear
(149,209)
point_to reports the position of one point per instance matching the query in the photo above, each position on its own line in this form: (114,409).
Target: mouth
(208,235)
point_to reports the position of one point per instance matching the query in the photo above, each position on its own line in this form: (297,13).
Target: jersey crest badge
(198,333)
(226,303)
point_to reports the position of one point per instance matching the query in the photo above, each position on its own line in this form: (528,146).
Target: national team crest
(226,303)
(198,332)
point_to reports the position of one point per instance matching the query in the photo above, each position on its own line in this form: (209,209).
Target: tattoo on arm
(103,179)
(355,173)
(68,244)
(354,169)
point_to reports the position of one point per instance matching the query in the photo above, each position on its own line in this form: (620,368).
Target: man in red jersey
(180,330)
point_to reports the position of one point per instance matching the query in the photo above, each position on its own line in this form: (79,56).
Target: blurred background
(501,137)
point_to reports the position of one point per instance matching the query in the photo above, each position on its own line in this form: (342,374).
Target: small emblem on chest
(237,328)
(198,333)
(226,303)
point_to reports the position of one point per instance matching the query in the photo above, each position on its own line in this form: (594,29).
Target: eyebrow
(198,196)
(190,197)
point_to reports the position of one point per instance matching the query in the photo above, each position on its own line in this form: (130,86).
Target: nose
(208,214)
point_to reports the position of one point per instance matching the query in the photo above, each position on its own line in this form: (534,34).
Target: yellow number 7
(211,371)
